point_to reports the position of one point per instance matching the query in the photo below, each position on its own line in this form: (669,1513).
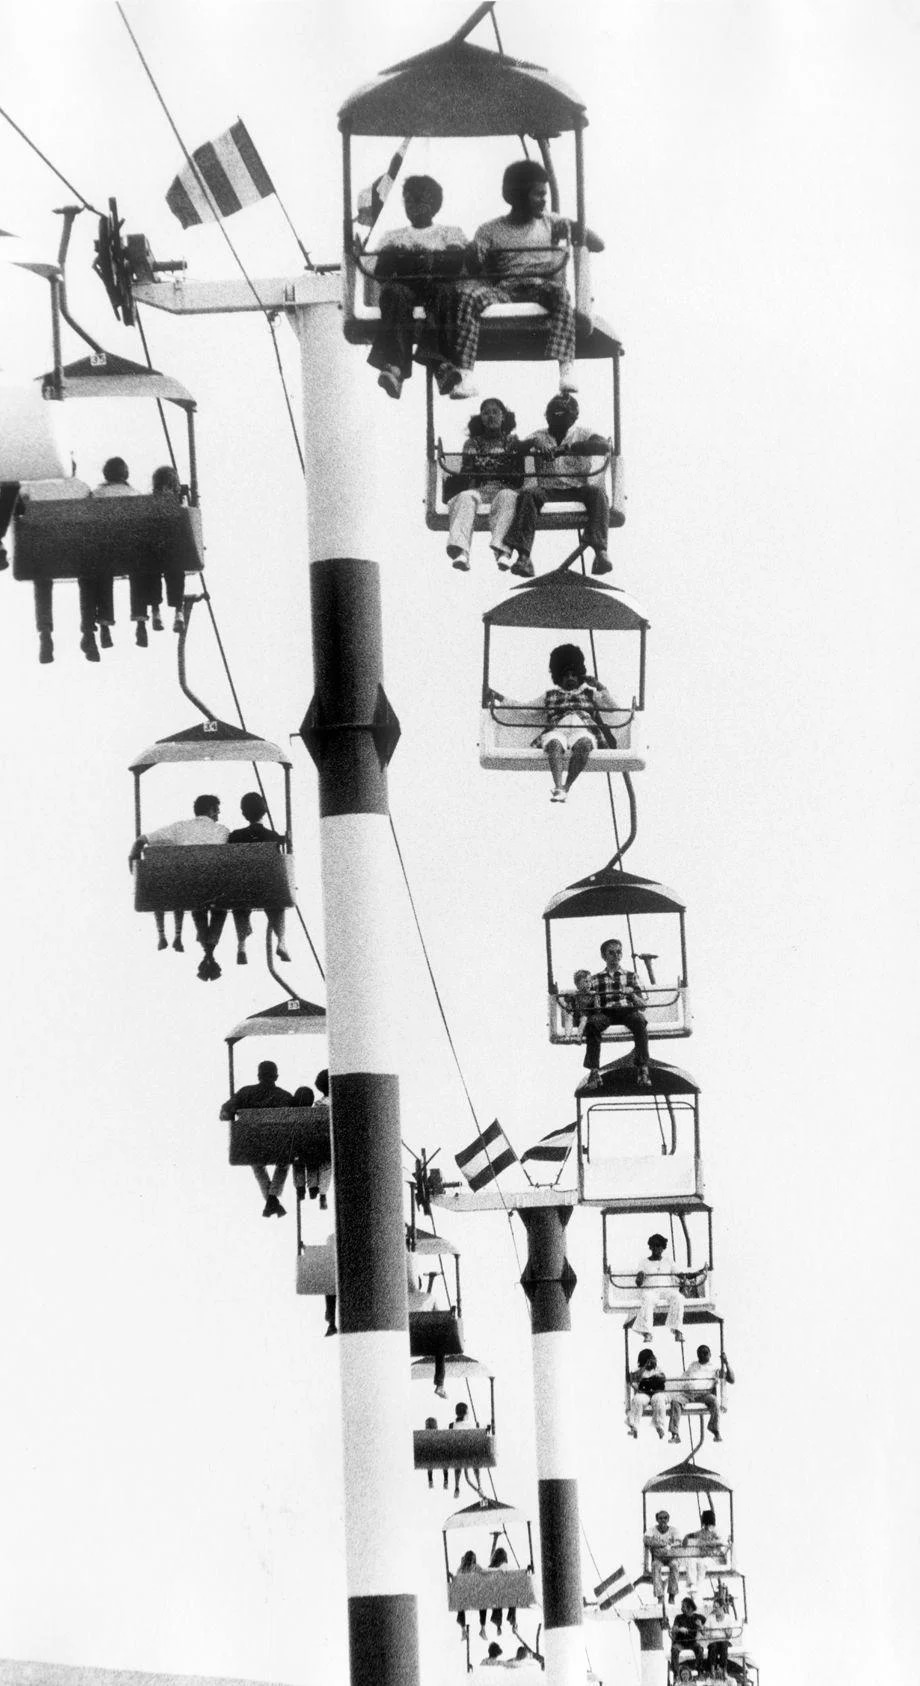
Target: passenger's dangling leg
(578,759)
(502,511)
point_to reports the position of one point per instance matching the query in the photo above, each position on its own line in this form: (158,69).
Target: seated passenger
(519,256)
(491,474)
(49,491)
(461,1420)
(9,498)
(97,590)
(572,711)
(416,265)
(648,1385)
(498,1560)
(577,1001)
(251,1097)
(556,448)
(659,1280)
(318,1177)
(616,999)
(700,1385)
(421,1299)
(686,1633)
(254,808)
(203,828)
(705,1541)
(146,580)
(493,1657)
(468,1565)
(661,1542)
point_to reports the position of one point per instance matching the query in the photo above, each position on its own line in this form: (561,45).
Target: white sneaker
(464,388)
(558,795)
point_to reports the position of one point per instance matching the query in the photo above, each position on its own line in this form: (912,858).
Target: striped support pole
(548,1282)
(351,734)
(653,1665)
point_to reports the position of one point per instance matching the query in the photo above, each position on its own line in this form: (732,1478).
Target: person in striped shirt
(615,999)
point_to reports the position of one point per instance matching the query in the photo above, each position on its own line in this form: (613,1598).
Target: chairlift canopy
(210,740)
(426,1242)
(490,1515)
(290,1018)
(490,94)
(105,375)
(568,601)
(606,894)
(686,1477)
(619,1078)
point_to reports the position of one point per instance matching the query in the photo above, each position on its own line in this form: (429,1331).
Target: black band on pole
(383,1639)
(350,729)
(367,1161)
(548,1279)
(559,1552)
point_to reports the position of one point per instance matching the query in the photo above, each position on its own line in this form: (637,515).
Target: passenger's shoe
(523,566)
(456,551)
(502,557)
(281,953)
(105,636)
(567,379)
(178,945)
(464,388)
(674,1439)
(313,1192)
(323,1203)
(634,1432)
(602,563)
(642,1077)
(441,1392)
(462,562)
(4,559)
(45,647)
(140,634)
(89,647)
(557,794)
(331,1329)
(714,1434)
(241,959)
(178,621)
(446,378)
(162,943)
(273,1208)
(593,1079)
(156,621)
(391,381)
(267,1208)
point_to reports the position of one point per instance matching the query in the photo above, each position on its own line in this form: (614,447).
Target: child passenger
(416,265)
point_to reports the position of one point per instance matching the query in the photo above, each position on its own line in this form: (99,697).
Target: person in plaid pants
(520,256)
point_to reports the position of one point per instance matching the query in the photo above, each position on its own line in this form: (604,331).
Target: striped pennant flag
(553,1149)
(486,1157)
(371,200)
(232,172)
(616,1586)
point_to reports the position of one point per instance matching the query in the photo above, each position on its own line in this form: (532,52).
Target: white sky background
(171,1493)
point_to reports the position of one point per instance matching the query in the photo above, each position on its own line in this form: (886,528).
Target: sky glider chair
(280,1135)
(78,537)
(560,513)
(565,603)
(707,1330)
(198,876)
(435,1330)
(471,1447)
(686,1490)
(689,1231)
(481,1527)
(459,90)
(637,1146)
(649,920)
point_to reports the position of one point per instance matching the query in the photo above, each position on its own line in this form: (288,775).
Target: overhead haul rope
(447,1029)
(52,167)
(220,223)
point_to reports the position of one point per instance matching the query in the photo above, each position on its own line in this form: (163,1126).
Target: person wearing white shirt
(700,1385)
(203,828)
(658,1278)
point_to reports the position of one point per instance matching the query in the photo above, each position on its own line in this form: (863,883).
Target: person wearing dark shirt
(254,808)
(318,1177)
(255,1097)
(615,999)
(686,1633)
